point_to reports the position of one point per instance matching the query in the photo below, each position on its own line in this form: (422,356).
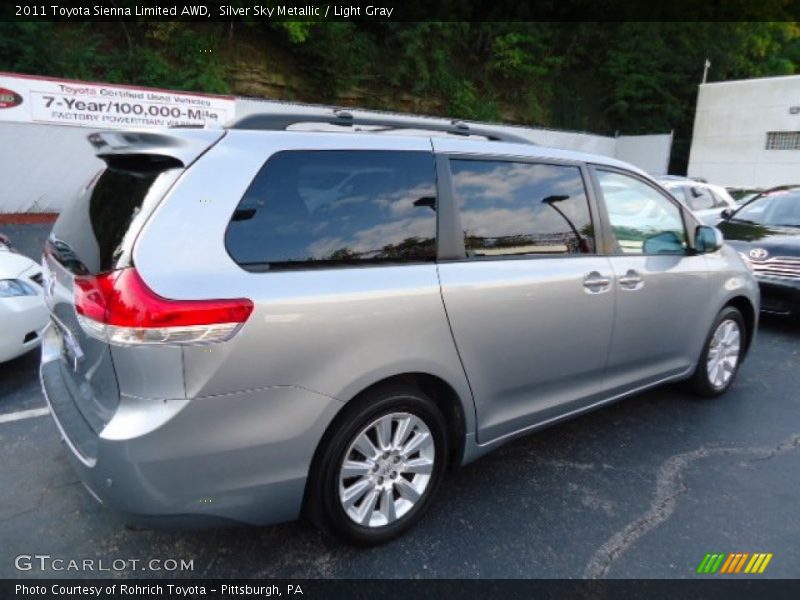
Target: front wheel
(378,472)
(721,355)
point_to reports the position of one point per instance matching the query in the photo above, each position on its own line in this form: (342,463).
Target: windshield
(780,209)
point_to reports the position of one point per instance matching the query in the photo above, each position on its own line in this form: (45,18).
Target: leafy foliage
(629,77)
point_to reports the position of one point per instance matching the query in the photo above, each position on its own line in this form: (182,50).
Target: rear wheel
(380,469)
(721,355)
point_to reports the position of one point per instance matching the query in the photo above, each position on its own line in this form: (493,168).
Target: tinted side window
(644,221)
(513,208)
(324,208)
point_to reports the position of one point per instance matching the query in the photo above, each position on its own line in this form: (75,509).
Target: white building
(747,133)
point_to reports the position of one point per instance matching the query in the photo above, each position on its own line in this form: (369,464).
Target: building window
(783,140)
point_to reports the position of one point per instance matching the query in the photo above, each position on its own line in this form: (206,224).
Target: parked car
(766,232)
(222,352)
(23,314)
(5,244)
(706,200)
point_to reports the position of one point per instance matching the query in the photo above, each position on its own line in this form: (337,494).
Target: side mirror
(727,213)
(708,239)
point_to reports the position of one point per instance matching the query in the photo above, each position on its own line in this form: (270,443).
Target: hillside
(599,77)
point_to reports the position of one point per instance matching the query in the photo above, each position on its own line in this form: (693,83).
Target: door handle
(595,283)
(631,280)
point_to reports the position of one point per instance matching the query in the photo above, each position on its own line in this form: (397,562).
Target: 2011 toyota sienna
(253,323)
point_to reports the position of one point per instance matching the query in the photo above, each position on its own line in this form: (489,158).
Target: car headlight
(10,288)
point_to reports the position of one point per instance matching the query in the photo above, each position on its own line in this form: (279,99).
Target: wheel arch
(748,311)
(439,390)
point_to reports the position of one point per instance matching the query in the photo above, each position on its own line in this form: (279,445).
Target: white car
(5,244)
(23,314)
(705,200)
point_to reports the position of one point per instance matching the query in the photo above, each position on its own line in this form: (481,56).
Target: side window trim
(605,239)
(449,225)
(608,232)
(450,243)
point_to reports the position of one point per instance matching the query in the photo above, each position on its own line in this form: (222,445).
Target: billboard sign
(28,99)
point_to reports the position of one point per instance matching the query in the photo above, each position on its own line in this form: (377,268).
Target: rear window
(308,209)
(95,233)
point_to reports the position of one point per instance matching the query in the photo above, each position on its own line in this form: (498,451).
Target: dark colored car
(766,232)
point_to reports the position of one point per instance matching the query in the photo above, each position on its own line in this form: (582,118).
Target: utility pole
(705,70)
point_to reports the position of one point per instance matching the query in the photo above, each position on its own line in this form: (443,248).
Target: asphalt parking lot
(644,488)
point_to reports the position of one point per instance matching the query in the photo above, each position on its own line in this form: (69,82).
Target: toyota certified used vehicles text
(254,323)
(766,231)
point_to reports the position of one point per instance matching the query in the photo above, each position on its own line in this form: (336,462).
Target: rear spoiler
(182,145)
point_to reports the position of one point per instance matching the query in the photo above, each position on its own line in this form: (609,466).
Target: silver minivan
(254,323)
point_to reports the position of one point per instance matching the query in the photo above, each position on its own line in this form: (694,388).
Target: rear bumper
(780,296)
(241,457)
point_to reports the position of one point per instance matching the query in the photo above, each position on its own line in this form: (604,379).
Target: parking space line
(24,414)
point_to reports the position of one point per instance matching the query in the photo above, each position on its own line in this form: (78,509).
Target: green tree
(627,77)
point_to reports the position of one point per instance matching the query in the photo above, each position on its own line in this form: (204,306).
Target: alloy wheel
(386,469)
(723,353)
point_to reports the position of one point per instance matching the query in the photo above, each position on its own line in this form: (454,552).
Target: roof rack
(282,121)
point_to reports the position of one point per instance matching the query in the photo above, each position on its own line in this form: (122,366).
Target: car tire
(722,354)
(379,466)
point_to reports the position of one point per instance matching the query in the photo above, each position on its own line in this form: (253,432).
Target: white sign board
(28,99)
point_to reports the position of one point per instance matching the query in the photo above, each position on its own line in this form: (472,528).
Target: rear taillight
(119,308)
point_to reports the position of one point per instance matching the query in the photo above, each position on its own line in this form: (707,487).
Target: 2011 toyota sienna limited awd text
(254,323)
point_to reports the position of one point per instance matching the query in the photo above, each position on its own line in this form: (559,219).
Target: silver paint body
(229,430)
